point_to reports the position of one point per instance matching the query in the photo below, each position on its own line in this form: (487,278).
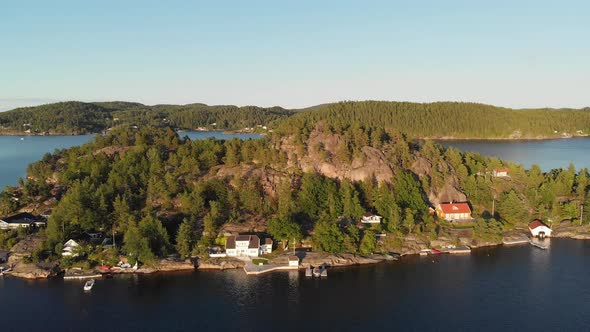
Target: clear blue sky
(295,53)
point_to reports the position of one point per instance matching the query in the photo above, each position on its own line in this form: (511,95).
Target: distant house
(46,214)
(539,229)
(69,248)
(454,211)
(293,260)
(370,218)
(24,219)
(247,245)
(500,172)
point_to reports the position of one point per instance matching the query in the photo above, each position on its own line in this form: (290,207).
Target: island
(344,184)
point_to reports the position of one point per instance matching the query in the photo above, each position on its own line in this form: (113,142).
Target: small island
(330,190)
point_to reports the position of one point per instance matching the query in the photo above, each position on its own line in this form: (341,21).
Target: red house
(454,211)
(500,172)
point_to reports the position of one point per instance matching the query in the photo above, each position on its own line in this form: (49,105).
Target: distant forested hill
(428,120)
(79,118)
(445,119)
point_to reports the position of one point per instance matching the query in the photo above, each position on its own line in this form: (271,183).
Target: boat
(435,251)
(4,270)
(89,284)
(317,272)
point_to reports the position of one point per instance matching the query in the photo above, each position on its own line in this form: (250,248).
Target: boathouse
(293,260)
(454,211)
(539,229)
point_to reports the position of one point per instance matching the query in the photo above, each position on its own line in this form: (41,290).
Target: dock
(523,240)
(457,250)
(252,269)
(82,276)
(540,245)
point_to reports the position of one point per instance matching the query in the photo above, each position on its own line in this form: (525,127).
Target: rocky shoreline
(412,245)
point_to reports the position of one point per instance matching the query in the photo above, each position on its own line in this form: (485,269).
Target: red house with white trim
(500,172)
(454,211)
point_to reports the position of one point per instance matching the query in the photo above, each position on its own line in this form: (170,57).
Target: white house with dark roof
(19,220)
(247,246)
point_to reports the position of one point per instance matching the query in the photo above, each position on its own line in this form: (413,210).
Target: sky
(295,54)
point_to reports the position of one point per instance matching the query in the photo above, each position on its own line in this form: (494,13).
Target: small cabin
(454,211)
(293,260)
(500,172)
(539,229)
(370,218)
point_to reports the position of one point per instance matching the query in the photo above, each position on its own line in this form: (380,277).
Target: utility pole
(493,207)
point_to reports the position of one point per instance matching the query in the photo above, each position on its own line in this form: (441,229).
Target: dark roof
(254,242)
(230,243)
(268,241)
(537,223)
(243,238)
(20,218)
(4,254)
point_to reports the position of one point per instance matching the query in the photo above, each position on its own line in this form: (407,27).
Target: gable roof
(448,208)
(20,218)
(503,169)
(537,223)
(254,242)
(230,243)
(243,238)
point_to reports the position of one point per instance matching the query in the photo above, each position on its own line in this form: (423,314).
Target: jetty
(539,244)
(523,240)
(457,250)
(252,269)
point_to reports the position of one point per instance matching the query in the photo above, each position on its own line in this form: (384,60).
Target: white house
(19,220)
(293,260)
(69,248)
(539,229)
(266,246)
(500,172)
(247,245)
(370,218)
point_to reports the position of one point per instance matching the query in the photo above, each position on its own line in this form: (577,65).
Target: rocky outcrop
(220,264)
(317,259)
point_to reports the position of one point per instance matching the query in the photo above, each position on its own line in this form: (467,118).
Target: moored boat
(317,272)
(89,284)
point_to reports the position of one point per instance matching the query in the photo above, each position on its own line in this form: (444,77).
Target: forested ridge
(424,120)
(162,194)
(83,118)
(445,119)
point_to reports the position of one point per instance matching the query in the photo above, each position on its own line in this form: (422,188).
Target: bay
(548,154)
(518,288)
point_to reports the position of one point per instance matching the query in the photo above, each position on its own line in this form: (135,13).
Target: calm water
(16,154)
(518,288)
(548,154)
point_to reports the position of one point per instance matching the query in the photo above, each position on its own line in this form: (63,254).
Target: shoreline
(315,259)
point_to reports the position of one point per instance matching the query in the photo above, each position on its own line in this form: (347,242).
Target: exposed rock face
(220,264)
(316,259)
(21,269)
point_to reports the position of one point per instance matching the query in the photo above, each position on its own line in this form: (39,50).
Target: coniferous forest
(309,181)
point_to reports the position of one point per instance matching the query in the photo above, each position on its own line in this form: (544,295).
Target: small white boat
(89,284)
(22,138)
(317,272)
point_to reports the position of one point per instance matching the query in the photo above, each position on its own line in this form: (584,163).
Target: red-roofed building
(500,172)
(539,229)
(454,211)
